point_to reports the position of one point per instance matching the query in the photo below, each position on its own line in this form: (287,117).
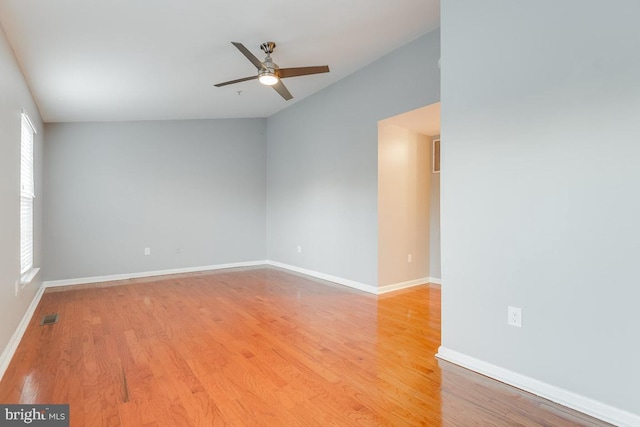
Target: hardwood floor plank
(255,346)
(136,413)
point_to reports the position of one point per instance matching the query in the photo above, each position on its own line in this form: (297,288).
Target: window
(27,195)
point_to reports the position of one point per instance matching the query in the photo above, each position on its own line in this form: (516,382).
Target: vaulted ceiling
(159,59)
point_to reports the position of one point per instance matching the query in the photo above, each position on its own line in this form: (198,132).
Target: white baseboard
(86,280)
(409,284)
(335,279)
(435,280)
(556,394)
(402,285)
(339,280)
(113,277)
(13,343)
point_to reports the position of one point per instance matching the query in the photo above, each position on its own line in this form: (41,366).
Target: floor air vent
(49,319)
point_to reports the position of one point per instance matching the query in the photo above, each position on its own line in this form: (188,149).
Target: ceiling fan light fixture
(268,79)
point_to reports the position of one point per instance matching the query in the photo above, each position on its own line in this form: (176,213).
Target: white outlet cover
(514,316)
(147,251)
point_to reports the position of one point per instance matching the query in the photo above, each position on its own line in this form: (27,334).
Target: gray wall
(540,178)
(112,189)
(322,187)
(15,96)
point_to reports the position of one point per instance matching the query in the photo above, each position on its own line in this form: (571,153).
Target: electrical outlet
(409,258)
(299,249)
(147,251)
(514,316)
(178,250)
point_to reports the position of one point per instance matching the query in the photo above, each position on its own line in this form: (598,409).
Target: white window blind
(27,194)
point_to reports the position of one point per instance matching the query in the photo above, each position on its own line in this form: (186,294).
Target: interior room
(181,244)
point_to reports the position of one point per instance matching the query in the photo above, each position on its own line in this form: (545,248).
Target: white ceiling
(90,60)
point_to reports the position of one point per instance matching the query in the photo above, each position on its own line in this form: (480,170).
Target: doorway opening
(409,198)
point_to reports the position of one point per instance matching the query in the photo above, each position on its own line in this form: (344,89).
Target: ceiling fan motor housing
(267,47)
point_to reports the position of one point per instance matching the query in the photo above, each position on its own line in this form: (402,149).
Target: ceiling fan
(269,73)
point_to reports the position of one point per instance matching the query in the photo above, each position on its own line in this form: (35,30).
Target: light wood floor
(255,347)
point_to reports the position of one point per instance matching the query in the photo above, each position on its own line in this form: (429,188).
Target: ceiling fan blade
(302,71)
(282,90)
(250,56)
(230,82)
